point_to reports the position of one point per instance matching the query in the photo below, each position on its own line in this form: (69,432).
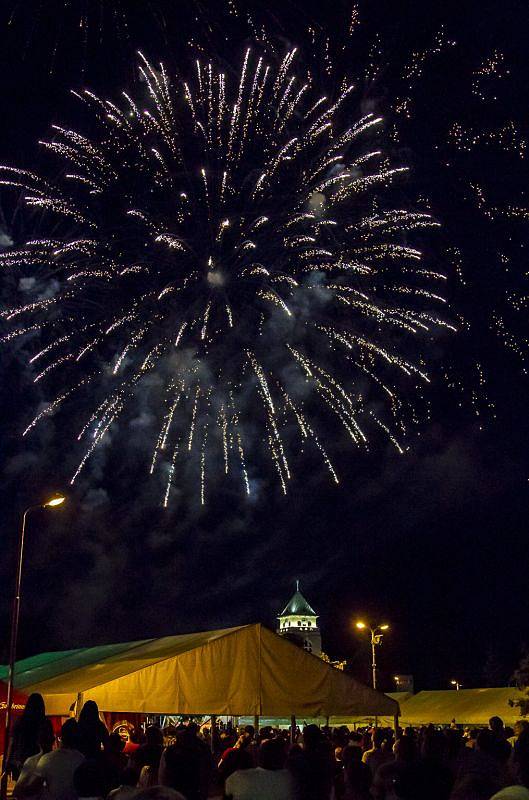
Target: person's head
(70,734)
(192,729)
(89,713)
(388,742)
(227,739)
(311,736)
(272,754)
(405,749)
(88,780)
(46,736)
(129,776)
(351,755)
(249,730)
(485,741)
(355,739)
(266,732)
(434,745)
(153,735)
(496,725)
(338,753)
(34,709)
(135,735)
(520,726)
(379,735)
(341,735)
(115,743)
(240,759)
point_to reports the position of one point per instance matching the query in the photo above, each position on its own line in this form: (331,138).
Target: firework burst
(239,241)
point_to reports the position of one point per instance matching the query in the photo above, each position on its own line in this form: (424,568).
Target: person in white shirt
(269,781)
(56,769)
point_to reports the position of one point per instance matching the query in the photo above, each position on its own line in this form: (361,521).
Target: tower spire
(299,620)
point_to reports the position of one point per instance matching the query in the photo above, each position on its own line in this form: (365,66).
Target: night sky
(434,541)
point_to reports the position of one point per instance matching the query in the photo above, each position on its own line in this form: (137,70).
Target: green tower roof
(298,605)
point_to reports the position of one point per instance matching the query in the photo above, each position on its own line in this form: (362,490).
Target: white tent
(236,671)
(466,706)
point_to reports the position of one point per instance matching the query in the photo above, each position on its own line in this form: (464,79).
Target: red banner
(19,702)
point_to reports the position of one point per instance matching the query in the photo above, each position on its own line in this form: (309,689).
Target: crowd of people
(87,762)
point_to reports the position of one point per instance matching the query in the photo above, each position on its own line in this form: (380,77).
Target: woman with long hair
(93,735)
(25,737)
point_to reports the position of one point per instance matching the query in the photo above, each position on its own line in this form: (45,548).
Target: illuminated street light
(376,639)
(54,500)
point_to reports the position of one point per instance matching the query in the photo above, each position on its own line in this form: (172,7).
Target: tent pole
(292,729)
(256,724)
(396,724)
(78,705)
(213,732)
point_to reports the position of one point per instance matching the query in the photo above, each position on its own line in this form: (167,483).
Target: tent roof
(244,670)
(83,668)
(466,706)
(298,605)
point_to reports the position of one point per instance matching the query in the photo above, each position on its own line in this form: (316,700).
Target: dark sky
(433,541)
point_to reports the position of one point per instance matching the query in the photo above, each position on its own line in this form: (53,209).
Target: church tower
(299,621)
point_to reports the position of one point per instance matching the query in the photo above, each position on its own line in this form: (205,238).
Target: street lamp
(54,501)
(376,639)
(456,684)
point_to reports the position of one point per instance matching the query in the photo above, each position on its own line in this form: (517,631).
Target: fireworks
(230,249)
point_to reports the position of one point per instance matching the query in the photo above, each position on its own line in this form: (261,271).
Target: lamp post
(376,639)
(55,500)
(456,684)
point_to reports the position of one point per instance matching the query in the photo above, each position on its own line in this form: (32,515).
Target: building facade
(299,622)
